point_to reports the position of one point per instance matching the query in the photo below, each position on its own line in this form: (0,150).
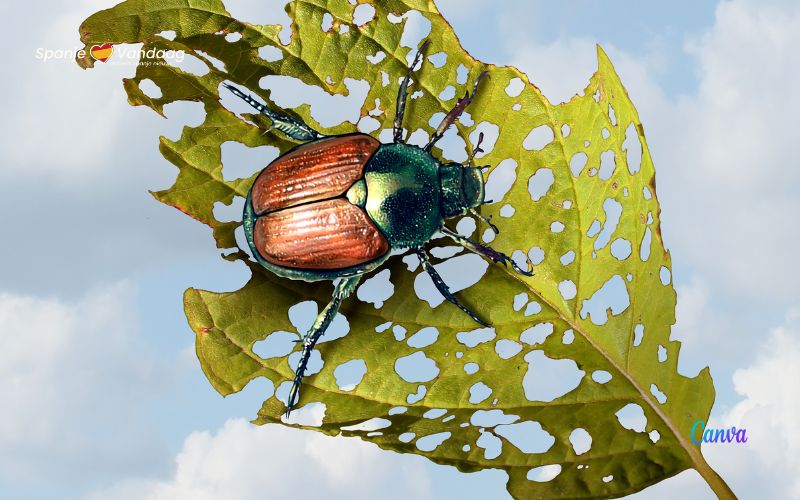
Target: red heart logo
(103,52)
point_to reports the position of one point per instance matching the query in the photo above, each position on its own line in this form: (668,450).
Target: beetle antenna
(454,113)
(487,220)
(402,94)
(475,151)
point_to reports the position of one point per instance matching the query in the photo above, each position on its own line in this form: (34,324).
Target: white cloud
(75,377)
(242,461)
(725,156)
(766,466)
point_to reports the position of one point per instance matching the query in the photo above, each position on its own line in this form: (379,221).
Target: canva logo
(708,435)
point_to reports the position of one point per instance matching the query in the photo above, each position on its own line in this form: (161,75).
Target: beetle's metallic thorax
(403,194)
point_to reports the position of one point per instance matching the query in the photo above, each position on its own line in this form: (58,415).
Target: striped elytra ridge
(303,219)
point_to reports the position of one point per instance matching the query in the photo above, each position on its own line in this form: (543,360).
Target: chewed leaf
(541,393)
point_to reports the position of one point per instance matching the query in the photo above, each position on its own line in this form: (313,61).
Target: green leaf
(562,223)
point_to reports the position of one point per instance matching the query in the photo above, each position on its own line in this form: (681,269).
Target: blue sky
(93,269)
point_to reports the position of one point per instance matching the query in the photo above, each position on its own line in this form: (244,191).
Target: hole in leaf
(327,22)
(601,376)
(432,441)
(567,289)
(537,333)
(406,437)
(547,379)
(491,418)
(399,332)
(644,249)
(613,210)
(607,165)
(474,337)
(638,334)
(501,179)
(506,349)
(471,368)
(150,89)
(479,392)
(577,163)
(659,395)
(434,413)
(631,417)
(664,275)
(528,436)
(633,149)
(580,440)
(376,289)
(507,211)
(544,473)
(520,300)
(438,59)
(448,93)
(540,182)
(461,74)
(621,248)
(423,338)
(538,138)
(515,87)
(276,345)
(270,53)
(568,258)
(416,367)
(536,255)
(533,308)
(362,14)
(415,397)
(491,444)
(611,297)
(349,374)
(372,424)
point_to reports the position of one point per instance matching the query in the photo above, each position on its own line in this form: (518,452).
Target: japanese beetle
(334,207)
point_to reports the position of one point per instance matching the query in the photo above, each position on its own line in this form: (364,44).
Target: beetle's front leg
(440,285)
(493,255)
(343,289)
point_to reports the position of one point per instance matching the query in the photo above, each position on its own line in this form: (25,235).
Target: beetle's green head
(462,188)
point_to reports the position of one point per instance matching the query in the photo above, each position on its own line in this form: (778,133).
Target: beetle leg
(489,253)
(343,289)
(442,287)
(487,220)
(454,113)
(403,93)
(295,129)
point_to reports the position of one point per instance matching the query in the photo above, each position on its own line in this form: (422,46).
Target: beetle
(334,207)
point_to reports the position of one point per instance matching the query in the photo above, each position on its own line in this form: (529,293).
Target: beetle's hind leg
(343,289)
(489,253)
(295,129)
(442,287)
(402,94)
